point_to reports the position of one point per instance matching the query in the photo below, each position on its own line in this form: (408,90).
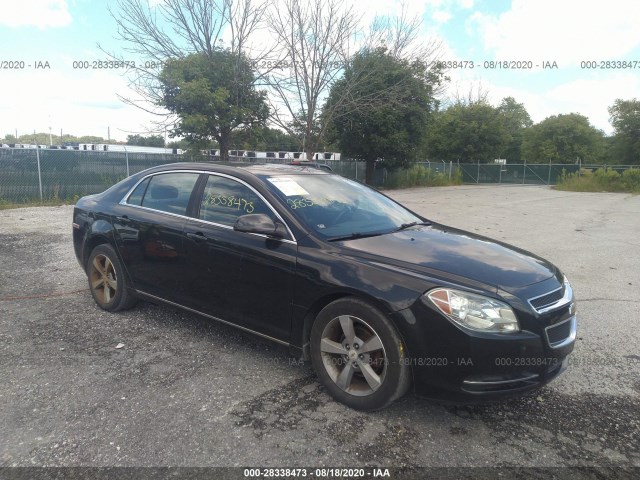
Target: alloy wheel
(353,355)
(103,279)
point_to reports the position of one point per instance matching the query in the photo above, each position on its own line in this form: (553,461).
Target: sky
(561,46)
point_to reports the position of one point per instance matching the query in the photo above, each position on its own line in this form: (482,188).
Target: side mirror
(260,223)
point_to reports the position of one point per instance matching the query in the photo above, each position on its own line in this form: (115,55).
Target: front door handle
(197,237)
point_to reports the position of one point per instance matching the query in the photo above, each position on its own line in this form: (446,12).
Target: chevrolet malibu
(380,299)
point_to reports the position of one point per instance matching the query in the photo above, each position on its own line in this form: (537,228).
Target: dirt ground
(185,391)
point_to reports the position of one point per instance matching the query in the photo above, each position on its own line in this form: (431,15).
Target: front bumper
(455,364)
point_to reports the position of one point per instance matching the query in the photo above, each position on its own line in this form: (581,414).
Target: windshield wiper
(404,226)
(353,236)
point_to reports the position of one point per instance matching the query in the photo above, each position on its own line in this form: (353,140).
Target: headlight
(474,311)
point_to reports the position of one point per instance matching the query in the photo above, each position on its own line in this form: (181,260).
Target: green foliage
(602,180)
(141,141)
(91,139)
(420,176)
(563,139)
(387,112)
(265,139)
(212,95)
(631,180)
(469,133)
(53,201)
(108,180)
(516,120)
(625,119)
(43,138)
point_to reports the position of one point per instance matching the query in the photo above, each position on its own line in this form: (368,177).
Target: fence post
(126,156)
(356,162)
(524,171)
(500,175)
(450,168)
(549,177)
(39,172)
(478,177)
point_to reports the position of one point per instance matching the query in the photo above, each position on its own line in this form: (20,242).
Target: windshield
(335,207)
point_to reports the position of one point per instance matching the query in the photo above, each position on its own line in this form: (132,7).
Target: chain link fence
(28,175)
(528,173)
(524,174)
(43,174)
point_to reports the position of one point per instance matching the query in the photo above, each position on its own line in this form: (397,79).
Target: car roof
(241,169)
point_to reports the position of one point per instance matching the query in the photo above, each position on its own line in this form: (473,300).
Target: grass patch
(601,181)
(47,202)
(421,176)
(6,205)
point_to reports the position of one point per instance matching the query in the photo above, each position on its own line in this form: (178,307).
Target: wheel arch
(313,311)
(91,243)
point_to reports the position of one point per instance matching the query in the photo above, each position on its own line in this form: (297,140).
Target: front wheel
(358,355)
(107,281)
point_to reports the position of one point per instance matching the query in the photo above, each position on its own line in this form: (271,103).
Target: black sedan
(378,297)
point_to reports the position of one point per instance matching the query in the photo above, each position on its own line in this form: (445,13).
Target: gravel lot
(185,391)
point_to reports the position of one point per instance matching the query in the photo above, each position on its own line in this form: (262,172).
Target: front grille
(561,332)
(547,300)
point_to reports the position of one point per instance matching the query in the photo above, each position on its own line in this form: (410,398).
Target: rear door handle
(197,237)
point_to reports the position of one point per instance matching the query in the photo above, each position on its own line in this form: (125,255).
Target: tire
(107,281)
(358,355)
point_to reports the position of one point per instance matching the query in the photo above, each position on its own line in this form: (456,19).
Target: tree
(468,132)
(151,141)
(212,95)
(197,27)
(387,116)
(625,119)
(563,139)
(516,119)
(265,139)
(315,41)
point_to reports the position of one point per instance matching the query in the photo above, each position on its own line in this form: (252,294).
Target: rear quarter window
(138,194)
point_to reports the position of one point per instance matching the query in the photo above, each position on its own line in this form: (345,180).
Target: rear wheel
(358,355)
(107,281)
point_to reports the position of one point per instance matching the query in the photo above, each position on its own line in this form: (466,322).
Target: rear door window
(169,192)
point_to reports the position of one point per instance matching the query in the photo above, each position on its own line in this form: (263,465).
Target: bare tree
(476,94)
(315,40)
(174,29)
(400,36)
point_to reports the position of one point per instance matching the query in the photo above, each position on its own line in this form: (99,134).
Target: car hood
(456,252)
